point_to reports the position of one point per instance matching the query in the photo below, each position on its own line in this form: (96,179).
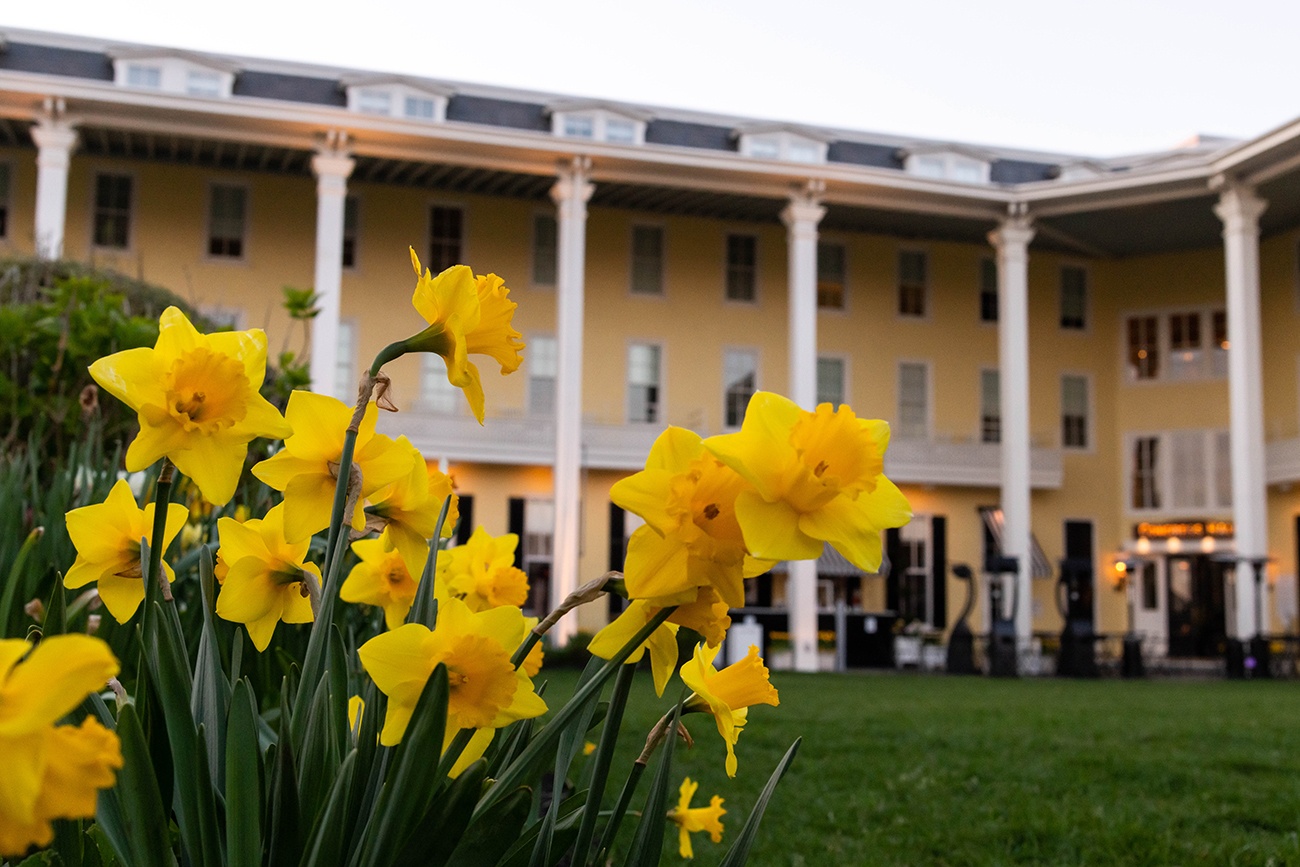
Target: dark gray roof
(1019,171)
(691,135)
(44,59)
(291,88)
(498,112)
(863,154)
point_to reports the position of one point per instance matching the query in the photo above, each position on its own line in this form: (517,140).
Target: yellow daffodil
(537,656)
(381,578)
(690,819)
(487,692)
(306,469)
(482,572)
(727,694)
(408,508)
(662,643)
(691,537)
(51,771)
(196,396)
(467,315)
(817,477)
(265,576)
(107,537)
(356,710)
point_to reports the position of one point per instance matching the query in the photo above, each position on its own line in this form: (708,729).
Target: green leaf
(285,846)
(243,786)
(601,764)
(56,613)
(496,831)
(326,843)
(144,819)
(210,693)
(648,844)
(425,608)
(738,854)
(319,752)
(519,854)
(15,576)
(442,827)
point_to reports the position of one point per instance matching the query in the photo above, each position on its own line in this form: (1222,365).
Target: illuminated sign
(1184,530)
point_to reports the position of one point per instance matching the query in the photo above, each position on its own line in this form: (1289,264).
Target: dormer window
(782,144)
(597,122)
(392,96)
(174,72)
(949,164)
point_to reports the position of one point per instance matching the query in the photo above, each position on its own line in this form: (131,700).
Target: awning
(994,521)
(832,564)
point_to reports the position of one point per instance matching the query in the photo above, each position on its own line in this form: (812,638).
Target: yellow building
(1086,362)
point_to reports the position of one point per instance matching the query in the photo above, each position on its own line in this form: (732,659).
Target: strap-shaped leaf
(425,608)
(144,819)
(441,829)
(325,844)
(601,764)
(210,695)
(648,844)
(319,756)
(487,840)
(243,782)
(738,854)
(15,577)
(284,825)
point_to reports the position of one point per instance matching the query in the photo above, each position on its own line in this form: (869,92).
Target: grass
(933,770)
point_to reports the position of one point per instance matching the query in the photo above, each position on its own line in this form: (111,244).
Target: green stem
(604,758)
(620,810)
(341,492)
(153,574)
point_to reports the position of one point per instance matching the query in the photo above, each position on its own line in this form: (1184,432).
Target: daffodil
(482,572)
(307,468)
(691,537)
(196,397)
(486,691)
(662,643)
(356,711)
(381,578)
(51,771)
(266,576)
(817,477)
(690,819)
(467,315)
(408,509)
(537,656)
(107,537)
(727,694)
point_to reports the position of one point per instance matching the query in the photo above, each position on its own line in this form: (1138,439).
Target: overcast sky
(1099,78)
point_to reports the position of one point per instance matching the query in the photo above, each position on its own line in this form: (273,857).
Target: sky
(1097,78)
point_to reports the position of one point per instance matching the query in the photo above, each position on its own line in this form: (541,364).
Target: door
(1196,606)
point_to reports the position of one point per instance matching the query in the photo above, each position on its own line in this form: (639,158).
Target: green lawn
(934,770)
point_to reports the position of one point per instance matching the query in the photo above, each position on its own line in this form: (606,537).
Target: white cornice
(131,52)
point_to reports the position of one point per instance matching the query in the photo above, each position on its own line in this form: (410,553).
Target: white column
(1239,209)
(55,140)
(1011,239)
(570,194)
(332,169)
(801,217)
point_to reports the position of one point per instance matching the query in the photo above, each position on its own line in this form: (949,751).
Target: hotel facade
(1091,366)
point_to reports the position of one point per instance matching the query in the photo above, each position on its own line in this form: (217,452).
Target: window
(647,260)
(911,283)
(990,406)
(782,145)
(1074,412)
(202,82)
(1145,478)
(4,200)
(419,107)
(436,393)
(1219,346)
(643,382)
(112,211)
(830,276)
(1143,348)
(620,131)
(543,365)
(1185,357)
(545,250)
(742,283)
(913,400)
(227,216)
(445,232)
(948,165)
(988,290)
(765,148)
(1187,454)
(830,381)
(580,126)
(740,381)
(1074,297)
(350,232)
(1223,467)
(345,376)
(141,75)
(375,102)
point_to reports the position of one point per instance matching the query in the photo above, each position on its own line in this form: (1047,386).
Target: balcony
(965,463)
(530,440)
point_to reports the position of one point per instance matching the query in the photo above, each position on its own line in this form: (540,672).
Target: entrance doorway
(1195,607)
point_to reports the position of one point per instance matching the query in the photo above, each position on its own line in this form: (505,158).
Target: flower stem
(620,810)
(155,580)
(588,592)
(604,758)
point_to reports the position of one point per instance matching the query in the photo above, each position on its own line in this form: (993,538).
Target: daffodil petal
(772,529)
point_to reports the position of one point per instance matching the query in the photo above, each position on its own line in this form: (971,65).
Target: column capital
(805,209)
(332,165)
(54,134)
(1015,230)
(572,181)
(1238,205)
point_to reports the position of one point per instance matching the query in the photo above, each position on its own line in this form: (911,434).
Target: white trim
(661,402)
(1087,297)
(928,366)
(132,216)
(243,257)
(1213,507)
(1164,351)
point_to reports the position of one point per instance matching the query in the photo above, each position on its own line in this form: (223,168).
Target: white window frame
(437,395)
(660,379)
(397,93)
(243,257)
(899,431)
(784,145)
(174,74)
(1212,366)
(345,360)
(947,165)
(132,210)
(754,353)
(601,119)
(1089,425)
(1164,479)
(662,290)
(535,341)
(845,363)
(926,294)
(726,267)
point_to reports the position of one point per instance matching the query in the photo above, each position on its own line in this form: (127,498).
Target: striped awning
(993,520)
(832,563)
